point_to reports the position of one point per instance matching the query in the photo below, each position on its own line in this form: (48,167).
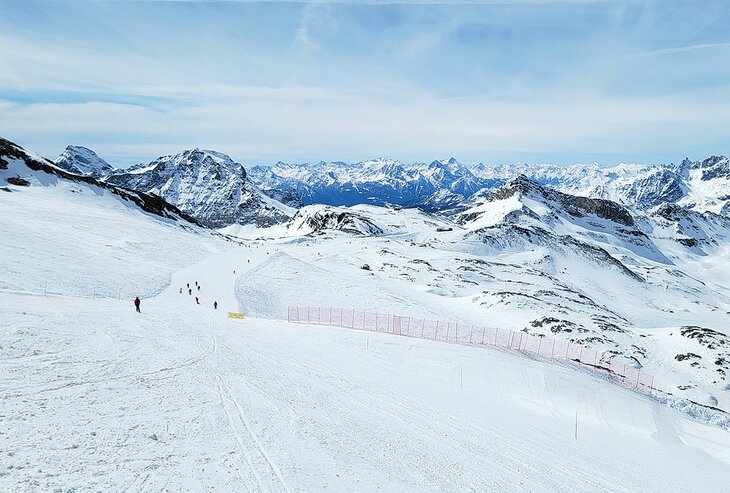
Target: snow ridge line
(471,335)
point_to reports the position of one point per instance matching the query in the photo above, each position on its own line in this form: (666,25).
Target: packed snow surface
(97,397)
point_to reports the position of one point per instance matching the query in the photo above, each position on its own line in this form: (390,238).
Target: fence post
(496,331)
(511,336)
(423,327)
(580,357)
(299,320)
(448,329)
(471,334)
(387,322)
(457,331)
(539,346)
(484,330)
(408,328)
(638,377)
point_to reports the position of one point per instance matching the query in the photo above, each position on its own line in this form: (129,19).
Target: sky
(534,81)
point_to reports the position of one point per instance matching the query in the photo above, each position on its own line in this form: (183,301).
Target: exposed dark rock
(686,356)
(18,181)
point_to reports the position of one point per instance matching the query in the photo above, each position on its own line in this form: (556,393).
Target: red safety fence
(461,333)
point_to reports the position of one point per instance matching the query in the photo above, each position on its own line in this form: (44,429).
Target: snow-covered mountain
(22,168)
(436,185)
(702,185)
(83,161)
(208,185)
(447,186)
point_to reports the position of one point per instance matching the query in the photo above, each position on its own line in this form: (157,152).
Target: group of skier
(138,302)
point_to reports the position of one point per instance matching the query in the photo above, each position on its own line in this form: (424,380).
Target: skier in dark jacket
(215,305)
(137,302)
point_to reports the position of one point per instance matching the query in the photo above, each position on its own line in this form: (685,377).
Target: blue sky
(484,81)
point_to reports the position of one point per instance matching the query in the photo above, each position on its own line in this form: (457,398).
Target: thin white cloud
(269,129)
(316,19)
(681,49)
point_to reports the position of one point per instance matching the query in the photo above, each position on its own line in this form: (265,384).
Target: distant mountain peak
(83,161)
(208,185)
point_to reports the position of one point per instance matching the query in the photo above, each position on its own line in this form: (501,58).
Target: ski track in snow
(200,402)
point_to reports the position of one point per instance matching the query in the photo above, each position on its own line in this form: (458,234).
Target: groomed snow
(97,397)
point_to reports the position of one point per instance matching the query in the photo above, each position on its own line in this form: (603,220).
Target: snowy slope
(181,399)
(530,259)
(208,185)
(64,234)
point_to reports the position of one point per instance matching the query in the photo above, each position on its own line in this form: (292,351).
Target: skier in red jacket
(137,303)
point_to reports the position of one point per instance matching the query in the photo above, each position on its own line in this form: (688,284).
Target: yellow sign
(235,315)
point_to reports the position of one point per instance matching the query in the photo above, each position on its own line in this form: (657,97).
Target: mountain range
(217,191)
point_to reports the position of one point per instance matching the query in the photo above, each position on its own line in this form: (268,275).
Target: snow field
(97,397)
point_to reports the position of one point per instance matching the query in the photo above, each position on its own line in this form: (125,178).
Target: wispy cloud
(348,80)
(316,20)
(682,49)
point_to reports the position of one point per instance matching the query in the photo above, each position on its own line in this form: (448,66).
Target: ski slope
(97,397)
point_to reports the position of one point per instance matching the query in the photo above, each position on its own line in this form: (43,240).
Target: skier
(180,290)
(215,305)
(190,291)
(197,302)
(188,285)
(137,303)
(198,288)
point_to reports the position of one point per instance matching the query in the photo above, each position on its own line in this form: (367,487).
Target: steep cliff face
(208,185)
